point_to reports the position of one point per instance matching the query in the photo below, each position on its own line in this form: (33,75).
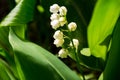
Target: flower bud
(55,24)
(62,21)
(54,16)
(63,53)
(63,11)
(72,26)
(54,8)
(58,42)
(75,42)
(58,35)
(86,52)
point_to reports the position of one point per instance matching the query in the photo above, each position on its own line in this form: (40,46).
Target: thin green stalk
(77,59)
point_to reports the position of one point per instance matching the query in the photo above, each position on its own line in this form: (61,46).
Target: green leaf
(21,14)
(18,17)
(92,63)
(7,60)
(100,77)
(104,17)
(5,71)
(34,62)
(4,43)
(112,69)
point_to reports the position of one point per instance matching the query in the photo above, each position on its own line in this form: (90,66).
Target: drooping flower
(63,53)
(72,26)
(55,16)
(54,8)
(62,21)
(55,24)
(58,35)
(62,11)
(58,42)
(75,43)
(85,52)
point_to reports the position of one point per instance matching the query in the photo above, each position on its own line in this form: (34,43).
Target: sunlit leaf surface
(112,69)
(34,62)
(101,26)
(21,14)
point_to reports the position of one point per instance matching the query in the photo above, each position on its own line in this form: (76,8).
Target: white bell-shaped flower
(55,24)
(62,21)
(63,11)
(54,16)
(58,35)
(54,8)
(58,42)
(85,52)
(75,43)
(63,53)
(72,26)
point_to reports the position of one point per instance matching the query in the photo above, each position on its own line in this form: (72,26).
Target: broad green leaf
(5,71)
(35,63)
(104,17)
(7,60)
(21,14)
(100,77)
(92,63)
(4,43)
(112,69)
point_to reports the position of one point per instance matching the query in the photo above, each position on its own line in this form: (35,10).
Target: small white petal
(63,11)
(62,21)
(72,26)
(58,42)
(63,53)
(55,24)
(75,42)
(58,35)
(54,8)
(54,16)
(86,52)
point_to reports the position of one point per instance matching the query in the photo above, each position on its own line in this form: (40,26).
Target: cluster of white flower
(58,19)
(59,40)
